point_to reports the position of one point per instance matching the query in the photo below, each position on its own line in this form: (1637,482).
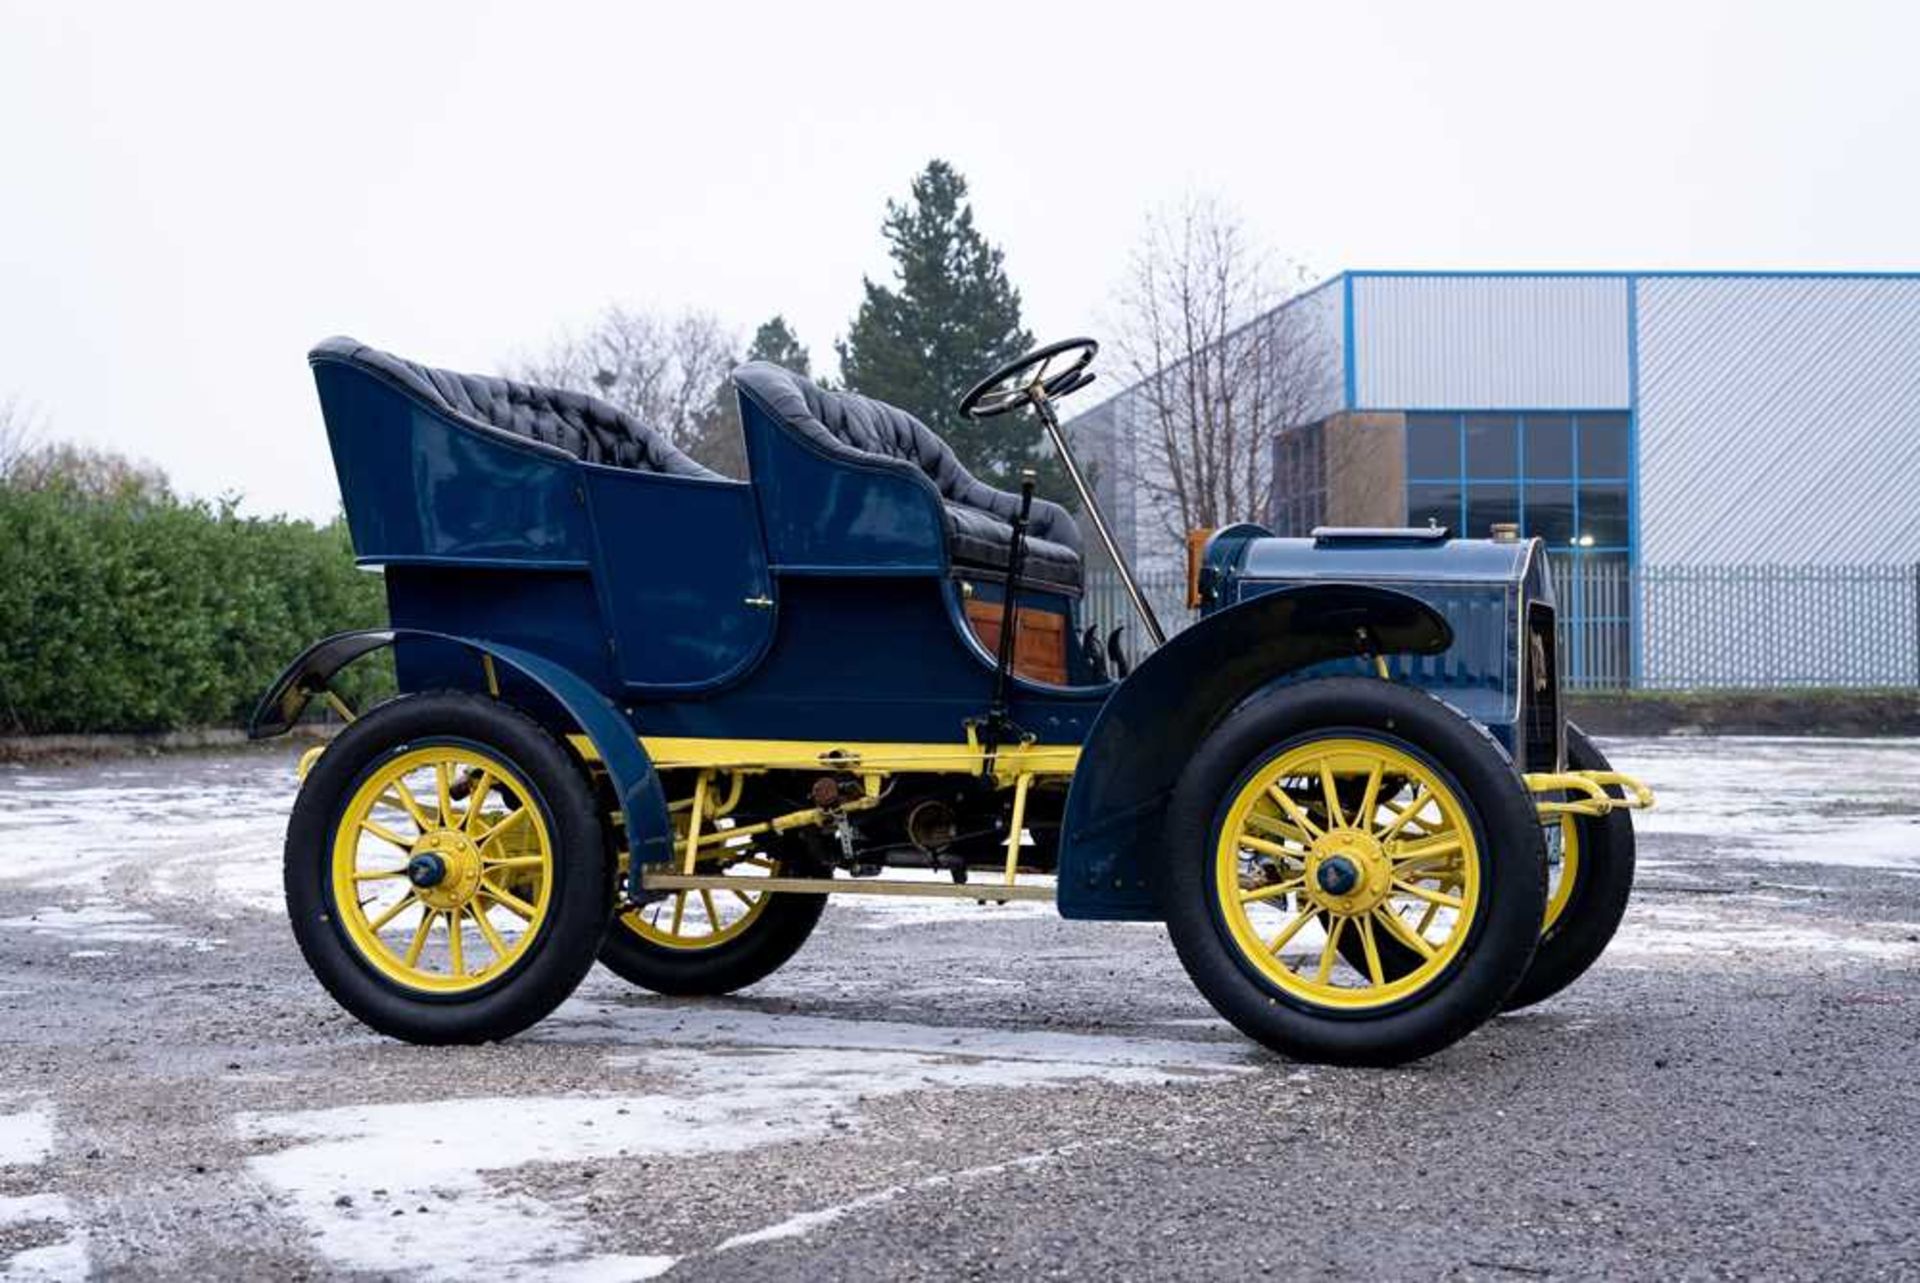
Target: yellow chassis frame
(1016,766)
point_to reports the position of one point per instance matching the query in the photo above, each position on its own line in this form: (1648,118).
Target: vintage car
(654,716)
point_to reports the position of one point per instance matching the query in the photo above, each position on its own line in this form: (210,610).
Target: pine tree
(950,317)
(775,341)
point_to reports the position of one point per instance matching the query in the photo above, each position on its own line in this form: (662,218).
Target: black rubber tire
(581,903)
(756,953)
(1512,868)
(1603,884)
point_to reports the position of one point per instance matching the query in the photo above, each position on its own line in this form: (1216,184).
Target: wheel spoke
(1330,951)
(491,932)
(1278,827)
(713,914)
(1436,898)
(506,822)
(1432,848)
(1293,811)
(1268,848)
(1374,970)
(1369,798)
(404,798)
(386,834)
(1273,890)
(419,940)
(742,896)
(679,912)
(482,785)
(517,862)
(456,944)
(443,787)
(370,875)
(1400,931)
(1292,929)
(507,900)
(394,911)
(1402,818)
(1330,789)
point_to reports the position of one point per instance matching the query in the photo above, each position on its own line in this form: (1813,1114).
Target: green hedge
(140,613)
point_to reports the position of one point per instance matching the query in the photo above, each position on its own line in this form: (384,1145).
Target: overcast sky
(194,194)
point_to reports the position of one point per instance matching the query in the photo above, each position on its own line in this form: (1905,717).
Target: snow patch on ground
(805,1223)
(184,825)
(99,922)
(1842,802)
(1659,931)
(651,1021)
(26,1137)
(736,1081)
(26,1141)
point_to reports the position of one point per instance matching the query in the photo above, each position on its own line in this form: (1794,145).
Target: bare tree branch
(668,372)
(1217,368)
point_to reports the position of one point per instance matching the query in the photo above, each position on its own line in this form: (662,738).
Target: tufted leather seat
(978,518)
(584,426)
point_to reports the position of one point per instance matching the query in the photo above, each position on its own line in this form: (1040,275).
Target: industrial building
(1723,465)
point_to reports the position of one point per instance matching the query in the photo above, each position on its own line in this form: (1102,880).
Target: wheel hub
(445,868)
(426,870)
(1348,872)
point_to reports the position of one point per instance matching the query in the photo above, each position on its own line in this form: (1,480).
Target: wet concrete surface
(945,1091)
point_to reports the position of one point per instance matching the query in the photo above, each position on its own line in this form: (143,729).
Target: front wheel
(446,874)
(1327,825)
(1590,888)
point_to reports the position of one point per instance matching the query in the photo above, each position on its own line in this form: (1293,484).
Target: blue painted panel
(679,559)
(868,658)
(1111,832)
(555,615)
(417,483)
(836,514)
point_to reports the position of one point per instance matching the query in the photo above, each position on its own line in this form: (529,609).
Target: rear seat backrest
(584,426)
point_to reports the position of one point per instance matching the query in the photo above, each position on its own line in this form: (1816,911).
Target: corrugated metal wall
(1490,342)
(1779,420)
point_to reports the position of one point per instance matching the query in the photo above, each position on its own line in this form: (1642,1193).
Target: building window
(1299,480)
(1561,477)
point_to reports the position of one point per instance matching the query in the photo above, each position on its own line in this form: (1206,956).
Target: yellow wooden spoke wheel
(1563,871)
(703,919)
(1340,851)
(442,872)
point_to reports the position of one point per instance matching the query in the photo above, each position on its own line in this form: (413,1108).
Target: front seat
(977,518)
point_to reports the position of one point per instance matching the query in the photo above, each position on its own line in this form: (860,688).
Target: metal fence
(1699,627)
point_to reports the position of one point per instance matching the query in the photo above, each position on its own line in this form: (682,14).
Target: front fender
(1143,738)
(643,804)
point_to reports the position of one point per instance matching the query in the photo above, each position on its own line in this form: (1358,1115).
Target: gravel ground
(939,1091)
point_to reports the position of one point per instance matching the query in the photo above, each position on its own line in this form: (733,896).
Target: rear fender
(1143,738)
(636,784)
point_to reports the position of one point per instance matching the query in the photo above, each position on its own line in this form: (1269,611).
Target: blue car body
(818,605)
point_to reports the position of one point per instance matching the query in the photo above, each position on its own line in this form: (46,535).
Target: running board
(985,892)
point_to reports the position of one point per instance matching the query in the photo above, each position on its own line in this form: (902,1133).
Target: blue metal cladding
(1492,342)
(839,516)
(1779,419)
(682,576)
(418,485)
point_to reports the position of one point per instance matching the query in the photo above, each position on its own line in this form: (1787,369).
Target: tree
(775,341)
(1217,365)
(19,432)
(950,317)
(661,370)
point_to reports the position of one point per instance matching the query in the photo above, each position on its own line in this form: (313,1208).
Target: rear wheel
(445,872)
(695,943)
(1326,823)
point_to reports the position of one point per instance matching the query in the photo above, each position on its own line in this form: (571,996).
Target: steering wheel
(1044,374)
